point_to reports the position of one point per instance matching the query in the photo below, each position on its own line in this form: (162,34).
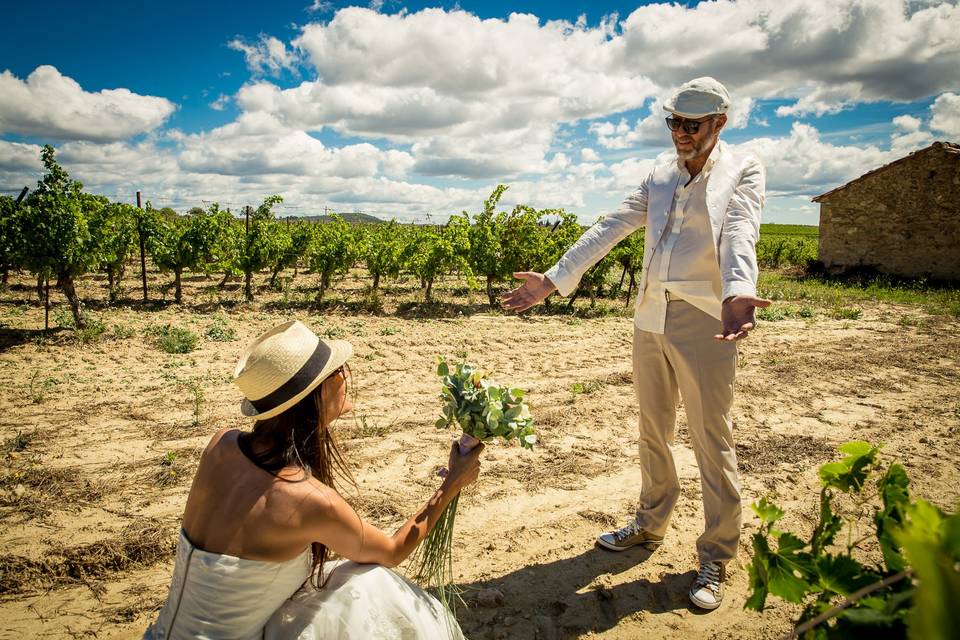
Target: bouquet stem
(433,560)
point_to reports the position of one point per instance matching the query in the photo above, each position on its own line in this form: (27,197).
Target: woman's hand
(463,469)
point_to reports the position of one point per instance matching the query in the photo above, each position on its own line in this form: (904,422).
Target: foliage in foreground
(911,593)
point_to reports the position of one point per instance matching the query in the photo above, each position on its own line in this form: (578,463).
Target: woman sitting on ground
(263,515)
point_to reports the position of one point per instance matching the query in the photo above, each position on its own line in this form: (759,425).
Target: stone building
(902,218)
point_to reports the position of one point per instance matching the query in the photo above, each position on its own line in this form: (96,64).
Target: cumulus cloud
(946,116)
(802,163)
(51,105)
(827,54)
(257,144)
(268,55)
(908,135)
(19,157)
(477,113)
(907,123)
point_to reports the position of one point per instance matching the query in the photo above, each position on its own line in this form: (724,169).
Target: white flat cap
(698,98)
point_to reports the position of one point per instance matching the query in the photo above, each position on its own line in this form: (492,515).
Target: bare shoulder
(219,436)
(323,504)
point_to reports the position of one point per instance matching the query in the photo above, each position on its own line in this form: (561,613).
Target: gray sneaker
(707,589)
(629,536)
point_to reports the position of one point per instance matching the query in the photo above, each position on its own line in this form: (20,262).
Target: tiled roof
(949,147)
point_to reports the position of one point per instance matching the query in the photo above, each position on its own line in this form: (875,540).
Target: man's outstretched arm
(595,243)
(738,255)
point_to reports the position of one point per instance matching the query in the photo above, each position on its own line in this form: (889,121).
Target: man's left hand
(737,316)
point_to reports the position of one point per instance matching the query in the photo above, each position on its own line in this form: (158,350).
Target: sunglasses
(689,126)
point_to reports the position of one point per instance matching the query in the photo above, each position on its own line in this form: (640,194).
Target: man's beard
(698,147)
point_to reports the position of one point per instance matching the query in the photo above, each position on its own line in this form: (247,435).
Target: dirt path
(93,487)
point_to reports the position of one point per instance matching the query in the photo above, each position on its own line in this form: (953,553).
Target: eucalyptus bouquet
(485,411)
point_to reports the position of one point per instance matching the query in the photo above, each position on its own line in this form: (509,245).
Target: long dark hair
(300,437)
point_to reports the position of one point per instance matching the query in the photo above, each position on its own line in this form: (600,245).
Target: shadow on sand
(568,597)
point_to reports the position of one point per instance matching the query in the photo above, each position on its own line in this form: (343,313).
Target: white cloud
(588,155)
(221,102)
(257,144)
(907,123)
(51,105)
(320,6)
(19,157)
(904,143)
(476,113)
(946,115)
(803,163)
(269,55)
(827,54)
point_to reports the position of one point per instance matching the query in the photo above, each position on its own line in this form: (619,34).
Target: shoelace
(709,576)
(627,531)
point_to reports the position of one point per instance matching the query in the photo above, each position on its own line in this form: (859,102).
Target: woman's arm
(341,529)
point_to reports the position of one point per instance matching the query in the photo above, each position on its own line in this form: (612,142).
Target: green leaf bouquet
(484,411)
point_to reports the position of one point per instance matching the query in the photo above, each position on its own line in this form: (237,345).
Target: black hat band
(299,381)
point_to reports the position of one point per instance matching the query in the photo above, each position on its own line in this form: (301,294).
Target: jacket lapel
(659,199)
(719,189)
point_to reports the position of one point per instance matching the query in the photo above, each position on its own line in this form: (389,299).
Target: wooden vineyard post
(143,250)
(46,305)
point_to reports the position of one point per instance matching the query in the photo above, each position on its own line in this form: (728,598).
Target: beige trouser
(687,359)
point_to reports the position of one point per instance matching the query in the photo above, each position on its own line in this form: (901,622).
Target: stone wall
(903,220)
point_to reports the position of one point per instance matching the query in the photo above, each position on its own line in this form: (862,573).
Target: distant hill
(352,218)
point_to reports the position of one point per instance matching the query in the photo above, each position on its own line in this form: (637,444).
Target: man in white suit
(700,207)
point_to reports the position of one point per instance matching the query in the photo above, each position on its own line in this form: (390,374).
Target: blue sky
(409,109)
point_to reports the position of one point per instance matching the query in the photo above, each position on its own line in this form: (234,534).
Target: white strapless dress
(215,596)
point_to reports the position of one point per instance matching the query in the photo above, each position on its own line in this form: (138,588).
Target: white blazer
(735,197)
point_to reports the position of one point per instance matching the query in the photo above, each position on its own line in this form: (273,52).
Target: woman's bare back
(236,508)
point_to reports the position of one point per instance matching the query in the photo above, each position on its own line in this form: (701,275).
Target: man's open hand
(737,316)
(534,289)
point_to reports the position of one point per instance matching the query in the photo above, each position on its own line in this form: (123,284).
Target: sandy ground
(94,485)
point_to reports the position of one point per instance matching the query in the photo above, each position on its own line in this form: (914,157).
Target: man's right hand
(534,289)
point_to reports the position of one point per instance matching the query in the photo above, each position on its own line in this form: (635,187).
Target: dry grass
(31,490)
(555,469)
(140,544)
(382,508)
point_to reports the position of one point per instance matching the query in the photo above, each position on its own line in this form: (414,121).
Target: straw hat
(281,367)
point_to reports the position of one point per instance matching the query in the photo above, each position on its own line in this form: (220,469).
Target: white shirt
(684,261)
(705,258)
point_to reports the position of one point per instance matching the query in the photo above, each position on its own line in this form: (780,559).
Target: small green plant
(196,392)
(845,313)
(389,331)
(369,429)
(121,332)
(574,322)
(169,471)
(333,333)
(63,317)
(220,331)
(39,388)
(911,587)
(172,339)
(92,332)
(19,442)
(585,387)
